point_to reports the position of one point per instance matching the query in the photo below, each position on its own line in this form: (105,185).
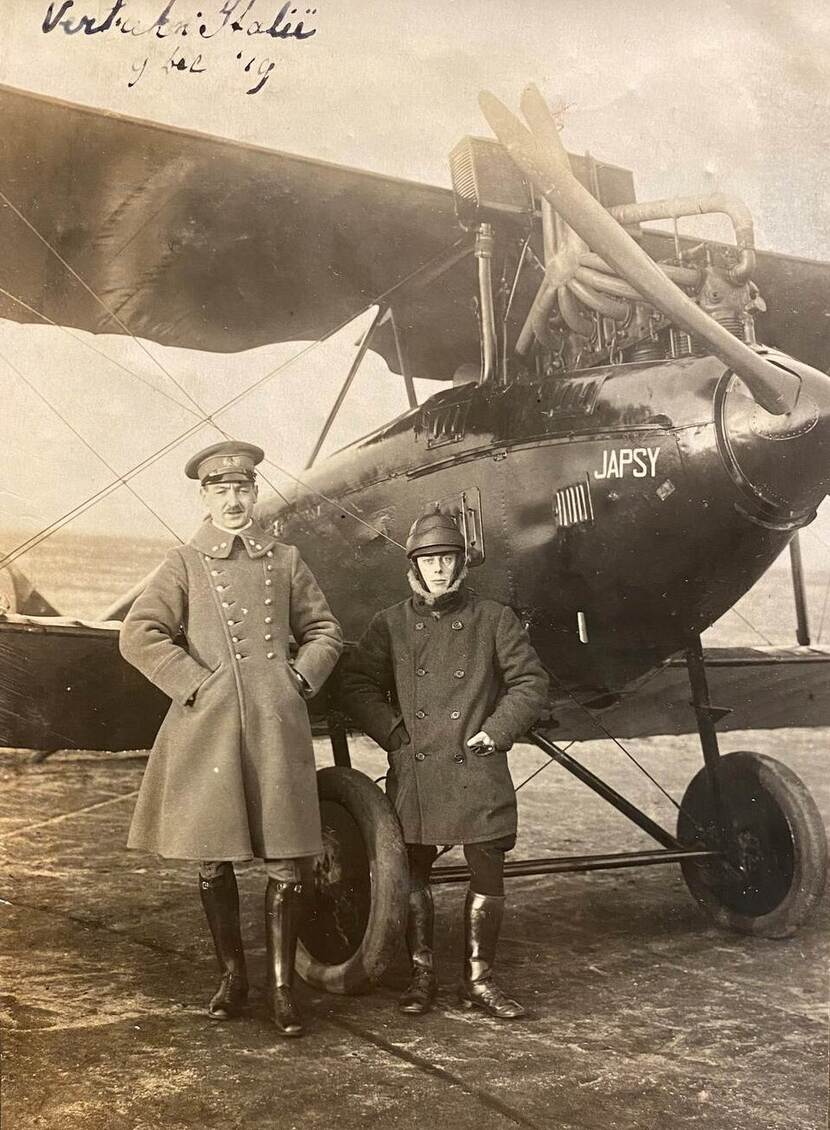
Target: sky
(694,98)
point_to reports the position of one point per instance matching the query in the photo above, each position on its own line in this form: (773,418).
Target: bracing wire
(539,768)
(82,339)
(75,512)
(333,502)
(818,537)
(69,516)
(54,408)
(199,411)
(30,543)
(823,610)
(111,313)
(752,626)
(824,604)
(601,726)
(200,414)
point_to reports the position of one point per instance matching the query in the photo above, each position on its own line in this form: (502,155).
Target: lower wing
(763,688)
(64,685)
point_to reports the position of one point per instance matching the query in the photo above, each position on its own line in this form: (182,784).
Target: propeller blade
(543,158)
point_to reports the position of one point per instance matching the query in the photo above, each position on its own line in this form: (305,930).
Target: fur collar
(447,601)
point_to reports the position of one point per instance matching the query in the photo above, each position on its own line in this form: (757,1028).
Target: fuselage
(619,510)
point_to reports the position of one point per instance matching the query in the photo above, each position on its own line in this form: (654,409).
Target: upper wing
(209,244)
(194,241)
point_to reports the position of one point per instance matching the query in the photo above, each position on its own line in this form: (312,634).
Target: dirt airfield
(643,1014)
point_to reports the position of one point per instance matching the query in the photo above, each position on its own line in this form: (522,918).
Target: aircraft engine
(604,300)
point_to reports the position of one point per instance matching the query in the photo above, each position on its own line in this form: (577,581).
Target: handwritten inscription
(240,20)
(640,461)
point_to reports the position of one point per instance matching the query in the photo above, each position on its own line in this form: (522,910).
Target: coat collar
(213,542)
(424,601)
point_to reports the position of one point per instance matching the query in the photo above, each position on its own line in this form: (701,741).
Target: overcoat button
(231,622)
(420,671)
(457,625)
(258,545)
(268,600)
(455,714)
(214,572)
(458,757)
(269,553)
(213,548)
(268,635)
(225,604)
(459,674)
(269,567)
(223,545)
(270,655)
(244,611)
(269,581)
(419,626)
(235,639)
(267,619)
(420,714)
(238,655)
(420,756)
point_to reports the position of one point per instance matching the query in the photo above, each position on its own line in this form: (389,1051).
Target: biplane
(632,425)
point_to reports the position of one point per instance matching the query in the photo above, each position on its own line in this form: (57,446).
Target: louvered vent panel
(573,505)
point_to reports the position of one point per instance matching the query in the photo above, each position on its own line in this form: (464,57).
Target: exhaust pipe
(542,157)
(714,203)
(487,314)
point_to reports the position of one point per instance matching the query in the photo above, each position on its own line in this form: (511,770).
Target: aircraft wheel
(361,886)
(776,862)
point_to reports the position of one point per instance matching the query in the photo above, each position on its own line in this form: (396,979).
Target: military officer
(446,681)
(231,775)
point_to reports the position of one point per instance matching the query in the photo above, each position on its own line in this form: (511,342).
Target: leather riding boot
(283,907)
(220,899)
(422,989)
(482,924)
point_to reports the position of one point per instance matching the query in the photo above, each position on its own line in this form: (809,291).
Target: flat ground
(644,1015)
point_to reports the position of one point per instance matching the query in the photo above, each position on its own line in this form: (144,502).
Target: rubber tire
(748,774)
(388,882)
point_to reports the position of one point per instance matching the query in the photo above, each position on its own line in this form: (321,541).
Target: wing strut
(802,631)
(347,384)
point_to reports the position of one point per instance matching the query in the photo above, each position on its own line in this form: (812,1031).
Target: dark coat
(231,774)
(447,675)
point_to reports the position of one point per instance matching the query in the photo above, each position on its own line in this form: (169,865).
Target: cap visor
(227,477)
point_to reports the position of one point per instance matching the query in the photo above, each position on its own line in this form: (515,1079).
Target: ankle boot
(283,907)
(220,899)
(421,991)
(482,924)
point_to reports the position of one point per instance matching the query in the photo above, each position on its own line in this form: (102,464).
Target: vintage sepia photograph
(414,564)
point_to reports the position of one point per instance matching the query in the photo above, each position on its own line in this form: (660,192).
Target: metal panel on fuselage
(602,493)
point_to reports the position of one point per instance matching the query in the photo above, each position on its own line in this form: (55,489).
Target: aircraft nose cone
(782,461)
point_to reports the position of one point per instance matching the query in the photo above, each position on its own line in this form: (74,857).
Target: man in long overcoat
(445,682)
(231,775)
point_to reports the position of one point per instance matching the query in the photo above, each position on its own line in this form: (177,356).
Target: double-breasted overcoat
(231,775)
(446,675)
